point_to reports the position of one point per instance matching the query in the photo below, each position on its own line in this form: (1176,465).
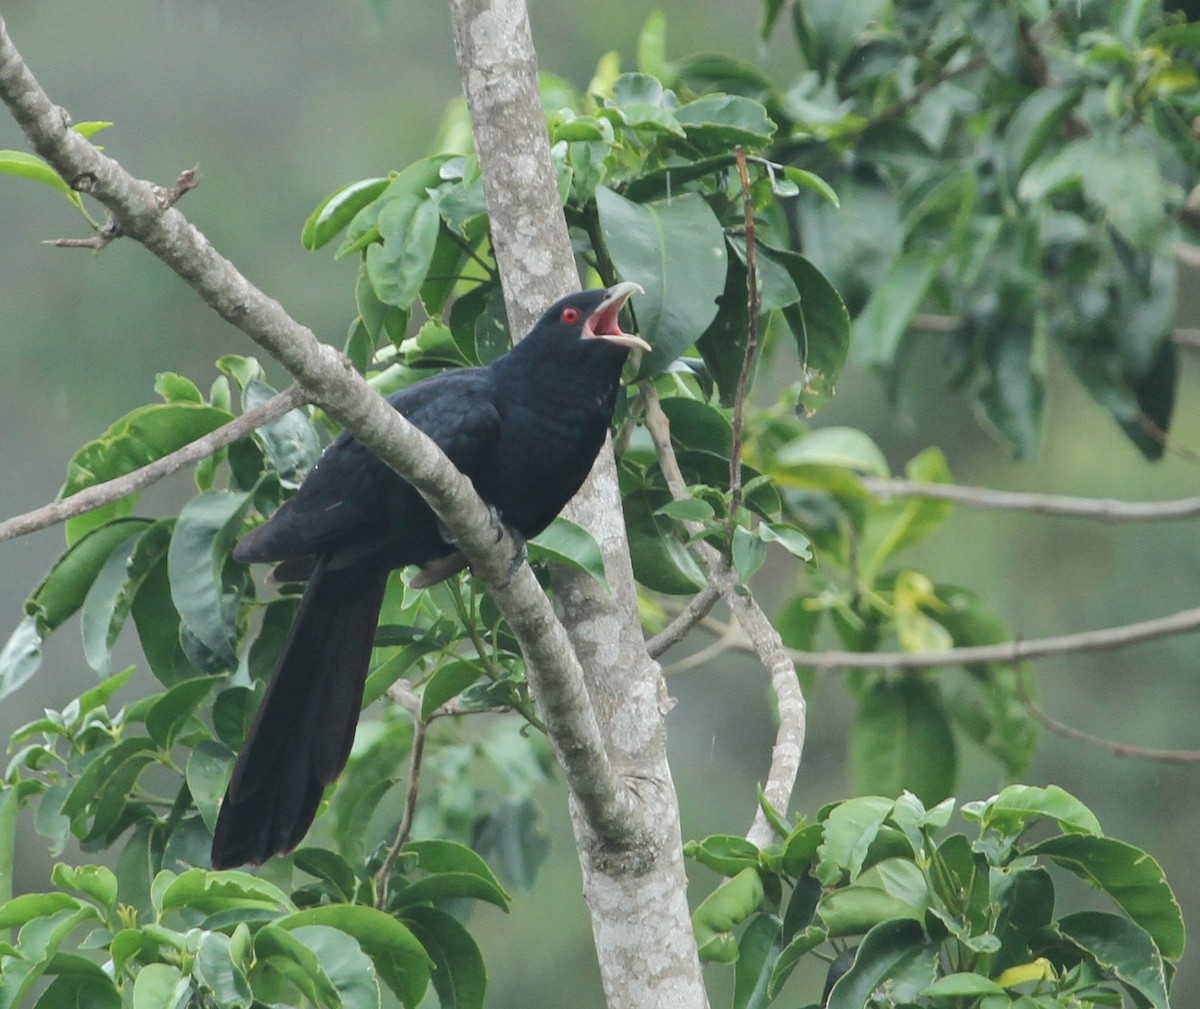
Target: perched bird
(526,430)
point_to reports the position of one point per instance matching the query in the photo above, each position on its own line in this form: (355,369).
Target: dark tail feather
(304,728)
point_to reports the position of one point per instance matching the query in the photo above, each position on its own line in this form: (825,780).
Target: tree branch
(139,210)
(1100,509)
(101,494)
(683,621)
(743,382)
(763,638)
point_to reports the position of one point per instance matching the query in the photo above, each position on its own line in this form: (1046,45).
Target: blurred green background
(278,104)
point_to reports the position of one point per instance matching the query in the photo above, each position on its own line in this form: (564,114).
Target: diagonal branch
(1100,509)
(101,494)
(141,212)
(761,634)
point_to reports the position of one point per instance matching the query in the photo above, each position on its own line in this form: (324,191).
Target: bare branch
(1106,639)
(101,494)
(761,635)
(324,373)
(1100,509)
(411,793)
(743,382)
(695,611)
(1108,745)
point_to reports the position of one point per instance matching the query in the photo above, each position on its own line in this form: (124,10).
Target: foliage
(1019,169)
(905,914)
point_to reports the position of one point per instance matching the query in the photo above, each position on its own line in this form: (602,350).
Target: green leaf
(1011,811)
(204,534)
(686,510)
(397,955)
(1120,948)
(440,857)
(137,439)
(78,981)
(23,909)
(758,950)
(911,520)
(160,986)
(208,769)
(721,911)
(459,975)
(849,829)
(135,751)
(398,267)
(902,740)
(171,711)
(344,960)
(211,892)
(216,973)
(1129,876)
(564,542)
(447,682)
(1036,122)
(1013,394)
(727,854)
(106,604)
(789,537)
(803,942)
(338,209)
(749,553)
(834,446)
(718,122)
(409,187)
(280,951)
(153,610)
(95,881)
(884,319)
(676,250)
(30,166)
(964,984)
(660,560)
(329,866)
(20,657)
(896,956)
(854,909)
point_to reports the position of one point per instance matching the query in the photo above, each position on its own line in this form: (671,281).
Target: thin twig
(1100,509)
(383,877)
(739,399)
(900,105)
(1107,745)
(1105,639)
(683,621)
(101,494)
(762,636)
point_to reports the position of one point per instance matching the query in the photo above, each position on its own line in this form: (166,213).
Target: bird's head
(593,315)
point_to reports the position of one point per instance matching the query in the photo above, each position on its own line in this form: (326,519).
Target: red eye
(570,316)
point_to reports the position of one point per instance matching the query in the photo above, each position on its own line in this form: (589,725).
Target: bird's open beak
(602,324)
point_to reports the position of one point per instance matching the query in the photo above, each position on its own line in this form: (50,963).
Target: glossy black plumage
(525,429)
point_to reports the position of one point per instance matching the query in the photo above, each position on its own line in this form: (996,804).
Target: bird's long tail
(301,736)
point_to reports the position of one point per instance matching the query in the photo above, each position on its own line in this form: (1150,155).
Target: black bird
(526,430)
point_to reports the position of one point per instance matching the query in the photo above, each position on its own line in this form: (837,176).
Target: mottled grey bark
(635,888)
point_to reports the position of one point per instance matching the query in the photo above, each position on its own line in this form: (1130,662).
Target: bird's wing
(351,498)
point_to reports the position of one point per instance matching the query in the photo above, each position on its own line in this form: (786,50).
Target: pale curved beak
(602,324)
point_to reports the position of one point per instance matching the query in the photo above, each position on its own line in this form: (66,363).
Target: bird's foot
(498,522)
(445,533)
(519,556)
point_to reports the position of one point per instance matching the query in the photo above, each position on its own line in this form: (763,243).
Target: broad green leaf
(564,542)
(1035,123)
(803,942)
(216,973)
(290,442)
(718,122)
(964,984)
(749,553)
(1013,394)
(1120,948)
(1011,811)
(1129,876)
(854,910)
(409,187)
(758,950)
(135,751)
(896,956)
(338,209)
(174,388)
(30,166)
(834,446)
(398,267)
(19,910)
(20,657)
(153,610)
(278,949)
(137,439)
(440,856)
(78,981)
(204,533)
(347,965)
(849,829)
(95,881)
(329,866)
(884,319)
(106,604)
(660,560)
(171,711)
(211,892)
(447,682)
(698,425)
(399,958)
(790,538)
(208,770)
(459,975)
(727,854)
(676,250)
(721,911)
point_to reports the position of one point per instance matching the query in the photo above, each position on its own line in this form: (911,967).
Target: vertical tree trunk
(637,892)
